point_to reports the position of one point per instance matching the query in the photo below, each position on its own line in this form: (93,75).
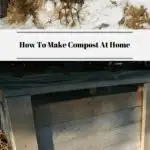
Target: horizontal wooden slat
(109,121)
(71,110)
(101,139)
(101,120)
(71,85)
(109,103)
(104,122)
(125,145)
(85,93)
(94,106)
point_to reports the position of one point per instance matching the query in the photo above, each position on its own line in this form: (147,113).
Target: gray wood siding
(103,122)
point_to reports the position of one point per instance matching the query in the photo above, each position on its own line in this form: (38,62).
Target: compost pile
(135,18)
(4,144)
(62,14)
(18,10)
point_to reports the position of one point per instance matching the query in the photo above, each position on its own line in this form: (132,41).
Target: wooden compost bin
(88,115)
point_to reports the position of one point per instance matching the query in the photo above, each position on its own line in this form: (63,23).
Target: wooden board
(21,123)
(117,79)
(145,143)
(90,107)
(125,145)
(1,110)
(104,122)
(97,123)
(99,139)
(43,127)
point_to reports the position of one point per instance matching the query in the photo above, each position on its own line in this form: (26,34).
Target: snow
(138,3)
(93,14)
(147,26)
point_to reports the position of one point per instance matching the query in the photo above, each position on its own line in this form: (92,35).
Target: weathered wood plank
(71,110)
(1,95)
(85,127)
(115,102)
(145,143)
(93,106)
(8,126)
(101,139)
(1,110)
(61,87)
(43,126)
(125,145)
(102,120)
(80,94)
(22,125)
(72,77)
(140,93)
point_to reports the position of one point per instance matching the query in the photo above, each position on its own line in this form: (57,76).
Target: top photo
(75,14)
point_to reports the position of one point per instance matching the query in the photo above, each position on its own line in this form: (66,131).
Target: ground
(4,141)
(98,14)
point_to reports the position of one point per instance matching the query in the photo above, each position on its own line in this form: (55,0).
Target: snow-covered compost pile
(77,14)
(136,17)
(4,145)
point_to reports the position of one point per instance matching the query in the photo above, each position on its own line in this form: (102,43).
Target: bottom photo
(75,105)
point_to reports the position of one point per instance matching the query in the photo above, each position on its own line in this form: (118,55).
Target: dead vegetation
(4,144)
(68,13)
(135,18)
(18,10)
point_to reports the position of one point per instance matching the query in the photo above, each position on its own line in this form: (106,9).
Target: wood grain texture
(100,140)
(71,110)
(116,102)
(8,126)
(98,123)
(145,143)
(106,122)
(49,87)
(125,145)
(92,107)
(21,120)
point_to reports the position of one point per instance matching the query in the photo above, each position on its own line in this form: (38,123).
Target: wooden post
(1,110)
(21,123)
(3,8)
(43,126)
(145,136)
